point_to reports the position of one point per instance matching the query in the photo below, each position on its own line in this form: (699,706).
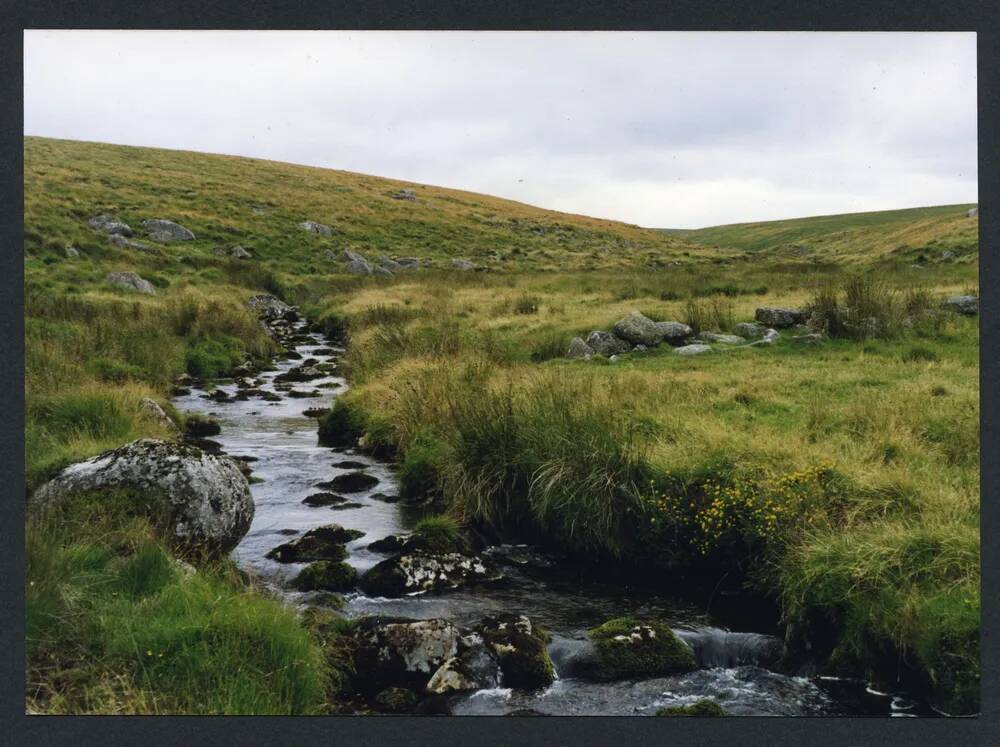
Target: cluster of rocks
(157,229)
(636,332)
(358,264)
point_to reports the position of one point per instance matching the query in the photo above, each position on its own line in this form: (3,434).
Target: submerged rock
(351,482)
(625,648)
(779,318)
(703,707)
(202,501)
(420,571)
(326,575)
(129,281)
(166,230)
(324,499)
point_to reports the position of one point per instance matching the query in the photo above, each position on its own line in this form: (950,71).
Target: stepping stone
(323,499)
(352,482)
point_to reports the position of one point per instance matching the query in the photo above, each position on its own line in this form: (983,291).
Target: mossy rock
(521,649)
(326,575)
(704,707)
(396,700)
(626,647)
(350,482)
(307,548)
(200,426)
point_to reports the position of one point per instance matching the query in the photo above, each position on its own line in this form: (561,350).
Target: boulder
(356,263)
(153,409)
(110,224)
(201,501)
(396,652)
(674,333)
(421,571)
(779,318)
(326,575)
(606,344)
(389,264)
(721,339)
(317,228)
(122,243)
(626,648)
(238,252)
(693,349)
(579,350)
(324,499)
(965,305)
(749,330)
(521,650)
(307,548)
(637,329)
(474,667)
(129,281)
(269,307)
(462,264)
(166,230)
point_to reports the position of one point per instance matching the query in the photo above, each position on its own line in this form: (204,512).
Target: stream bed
(281,443)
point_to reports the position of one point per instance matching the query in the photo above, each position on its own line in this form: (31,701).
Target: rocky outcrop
(965,305)
(606,344)
(579,350)
(637,329)
(129,281)
(162,230)
(317,228)
(201,501)
(779,318)
(110,224)
(421,572)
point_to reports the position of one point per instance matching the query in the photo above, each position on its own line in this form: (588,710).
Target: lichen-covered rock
(693,349)
(474,667)
(749,330)
(166,230)
(421,571)
(704,707)
(779,318)
(397,652)
(720,338)
(202,501)
(674,333)
(153,409)
(965,305)
(129,281)
(606,344)
(637,329)
(326,575)
(317,228)
(625,647)
(521,650)
(579,350)
(110,224)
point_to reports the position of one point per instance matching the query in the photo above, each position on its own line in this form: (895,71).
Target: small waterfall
(714,647)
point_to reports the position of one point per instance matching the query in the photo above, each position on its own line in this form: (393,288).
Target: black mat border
(969,15)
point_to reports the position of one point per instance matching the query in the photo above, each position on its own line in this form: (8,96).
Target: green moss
(627,647)
(326,575)
(704,707)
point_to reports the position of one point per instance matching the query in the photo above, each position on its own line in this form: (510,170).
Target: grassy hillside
(840,478)
(914,235)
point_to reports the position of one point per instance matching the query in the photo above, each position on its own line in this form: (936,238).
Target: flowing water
(282,443)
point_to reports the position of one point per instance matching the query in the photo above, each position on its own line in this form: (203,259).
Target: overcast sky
(660,129)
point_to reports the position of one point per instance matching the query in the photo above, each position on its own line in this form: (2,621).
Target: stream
(282,445)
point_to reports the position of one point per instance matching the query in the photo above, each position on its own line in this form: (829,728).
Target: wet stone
(352,482)
(323,499)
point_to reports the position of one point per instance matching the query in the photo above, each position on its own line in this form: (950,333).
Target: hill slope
(260,204)
(851,237)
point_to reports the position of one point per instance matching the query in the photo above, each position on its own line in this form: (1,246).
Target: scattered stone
(462,264)
(153,409)
(393,543)
(305,549)
(605,343)
(237,252)
(352,482)
(389,264)
(130,281)
(122,243)
(271,308)
(693,349)
(947,254)
(749,330)
(965,305)
(349,464)
(770,337)
(779,318)
(674,333)
(408,263)
(315,412)
(323,499)
(721,339)
(301,394)
(420,571)
(326,575)
(71,252)
(166,230)
(405,194)
(110,224)
(624,648)
(385,497)
(203,500)
(579,350)
(347,505)
(318,228)
(637,329)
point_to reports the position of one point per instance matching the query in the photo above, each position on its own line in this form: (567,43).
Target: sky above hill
(675,130)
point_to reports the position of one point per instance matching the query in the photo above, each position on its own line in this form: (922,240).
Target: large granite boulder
(638,329)
(201,502)
(166,230)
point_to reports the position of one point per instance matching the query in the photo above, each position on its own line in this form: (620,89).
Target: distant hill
(852,237)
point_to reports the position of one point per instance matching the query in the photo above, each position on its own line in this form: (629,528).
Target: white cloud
(660,129)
